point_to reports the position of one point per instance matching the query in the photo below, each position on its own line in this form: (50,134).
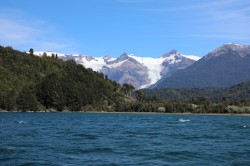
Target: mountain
(140,72)
(225,66)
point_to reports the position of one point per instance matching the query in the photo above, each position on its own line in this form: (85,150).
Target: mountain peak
(106,58)
(124,56)
(226,48)
(173,52)
(235,45)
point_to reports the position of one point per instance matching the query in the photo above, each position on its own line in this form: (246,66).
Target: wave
(21,122)
(183,120)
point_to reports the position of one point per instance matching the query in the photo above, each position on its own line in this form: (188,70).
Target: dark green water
(123,139)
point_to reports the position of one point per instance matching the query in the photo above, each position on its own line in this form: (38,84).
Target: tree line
(234,93)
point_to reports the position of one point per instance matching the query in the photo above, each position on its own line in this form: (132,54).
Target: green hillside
(35,83)
(234,93)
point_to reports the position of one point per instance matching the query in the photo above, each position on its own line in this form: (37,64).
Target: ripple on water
(86,136)
(123,139)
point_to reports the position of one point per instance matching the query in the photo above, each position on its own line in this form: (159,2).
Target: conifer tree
(31,51)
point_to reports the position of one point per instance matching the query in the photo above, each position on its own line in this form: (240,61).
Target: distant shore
(184,113)
(106,112)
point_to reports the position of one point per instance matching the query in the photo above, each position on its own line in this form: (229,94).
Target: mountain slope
(36,83)
(223,67)
(141,72)
(239,92)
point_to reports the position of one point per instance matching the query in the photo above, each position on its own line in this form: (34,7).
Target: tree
(139,95)
(51,92)
(74,98)
(31,51)
(27,101)
(128,88)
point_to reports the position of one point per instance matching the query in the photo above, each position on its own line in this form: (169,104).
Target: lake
(123,139)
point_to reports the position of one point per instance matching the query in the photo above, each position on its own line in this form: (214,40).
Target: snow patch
(114,65)
(154,66)
(48,53)
(235,44)
(193,57)
(95,64)
(171,59)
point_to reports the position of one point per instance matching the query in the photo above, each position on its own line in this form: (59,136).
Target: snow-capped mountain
(141,72)
(225,66)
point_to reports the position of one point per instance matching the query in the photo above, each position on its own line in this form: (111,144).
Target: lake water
(123,139)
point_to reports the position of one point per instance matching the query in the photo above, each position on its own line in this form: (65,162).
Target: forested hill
(35,83)
(234,93)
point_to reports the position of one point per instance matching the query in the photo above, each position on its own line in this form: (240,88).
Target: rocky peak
(107,58)
(240,49)
(89,58)
(124,56)
(173,52)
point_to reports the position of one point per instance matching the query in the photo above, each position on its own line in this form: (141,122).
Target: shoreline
(167,113)
(105,112)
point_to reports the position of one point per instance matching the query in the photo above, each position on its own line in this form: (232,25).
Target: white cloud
(22,32)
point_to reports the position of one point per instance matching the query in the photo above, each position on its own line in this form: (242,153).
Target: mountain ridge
(141,72)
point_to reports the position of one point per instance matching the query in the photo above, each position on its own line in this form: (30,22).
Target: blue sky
(111,27)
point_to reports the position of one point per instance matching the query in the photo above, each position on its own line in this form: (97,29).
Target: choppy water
(123,139)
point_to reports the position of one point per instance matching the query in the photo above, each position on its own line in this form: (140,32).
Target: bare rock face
(130,71)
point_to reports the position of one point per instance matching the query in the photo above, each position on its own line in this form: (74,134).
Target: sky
(146,28)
